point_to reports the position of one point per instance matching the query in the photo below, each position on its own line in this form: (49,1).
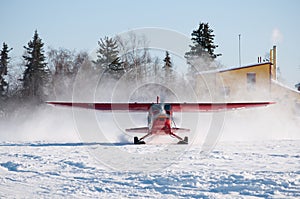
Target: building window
(251,80)
(225,91)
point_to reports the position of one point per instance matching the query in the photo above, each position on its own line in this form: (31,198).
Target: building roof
(233,68)
(284,86)
(243,67)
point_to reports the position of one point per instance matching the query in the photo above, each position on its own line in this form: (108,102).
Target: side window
(251,81)
(225,91)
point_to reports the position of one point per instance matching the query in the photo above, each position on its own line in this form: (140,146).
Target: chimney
(273,62)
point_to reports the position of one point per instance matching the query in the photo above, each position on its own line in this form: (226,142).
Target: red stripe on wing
(195,107)
(107,106)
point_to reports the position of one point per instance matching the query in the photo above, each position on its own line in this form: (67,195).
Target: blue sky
(75,24)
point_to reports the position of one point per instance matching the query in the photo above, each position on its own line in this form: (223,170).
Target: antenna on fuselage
(157,99)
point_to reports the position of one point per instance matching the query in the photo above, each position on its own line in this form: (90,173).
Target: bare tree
(60,61)
(134,53)
(64,65)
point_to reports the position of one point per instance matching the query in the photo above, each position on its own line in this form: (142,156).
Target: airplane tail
(180,130)
(145,130)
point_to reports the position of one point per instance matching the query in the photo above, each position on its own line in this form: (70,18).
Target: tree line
(55,70)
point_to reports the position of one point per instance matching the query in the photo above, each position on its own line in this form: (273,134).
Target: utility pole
(240,50)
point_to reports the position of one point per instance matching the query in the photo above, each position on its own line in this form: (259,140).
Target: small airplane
(160,115)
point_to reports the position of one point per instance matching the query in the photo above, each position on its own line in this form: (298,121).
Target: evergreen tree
(4,60)
(36,75)
(203,43)
(168,68)
(107,55)
(167,60)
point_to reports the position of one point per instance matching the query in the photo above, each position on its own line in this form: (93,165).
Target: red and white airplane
(160,115)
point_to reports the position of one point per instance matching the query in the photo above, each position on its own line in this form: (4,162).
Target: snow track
(266,169)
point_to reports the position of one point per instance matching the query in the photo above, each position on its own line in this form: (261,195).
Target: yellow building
(246,83)
(257,82)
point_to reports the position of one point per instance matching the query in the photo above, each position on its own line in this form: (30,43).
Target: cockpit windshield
(155,109)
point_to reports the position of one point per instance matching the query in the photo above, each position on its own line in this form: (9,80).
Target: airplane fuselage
(159,120)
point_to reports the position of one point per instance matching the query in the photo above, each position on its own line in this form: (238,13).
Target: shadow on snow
(67,144)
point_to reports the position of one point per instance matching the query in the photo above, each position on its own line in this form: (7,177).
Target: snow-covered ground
(257,155)
(245,169)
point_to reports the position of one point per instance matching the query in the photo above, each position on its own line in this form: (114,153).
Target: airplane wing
(196,107)
(176,107)
(136,107)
